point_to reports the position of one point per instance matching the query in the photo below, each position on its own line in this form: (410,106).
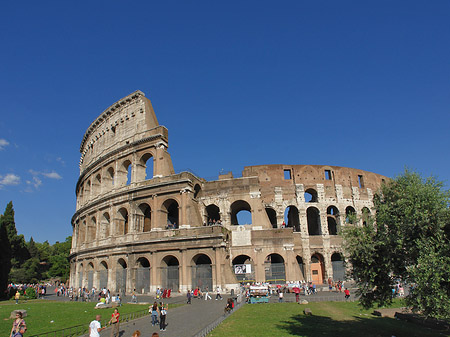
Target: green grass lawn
(41,313)
(328,319)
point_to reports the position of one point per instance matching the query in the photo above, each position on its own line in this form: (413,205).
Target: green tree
(5,258)
(407,241)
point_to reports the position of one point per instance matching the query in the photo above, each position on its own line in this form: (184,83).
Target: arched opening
(126,167)
(365,215)
(122,226)
(146,164)
(243,268)
(301,266)
(274,269)
(92,229)
(80,276)
(81,233)
(272,215)
(103,275)
(96,185)
(110,176)
(241,213)
(350,215)
(90,276)
(212,214)
(313,218)
(87,191)
(291,218)
(170,207)
(311,195)
(332,226)
(170,273)
(143,275)
(317,269)
(105,225)
(202,272)
(197,191)
(338,265)
(121,276)
(145,218)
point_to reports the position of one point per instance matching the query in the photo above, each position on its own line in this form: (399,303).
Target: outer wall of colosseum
(139,225)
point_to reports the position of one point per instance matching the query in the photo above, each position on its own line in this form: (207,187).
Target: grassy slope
(329,319)
(63,314)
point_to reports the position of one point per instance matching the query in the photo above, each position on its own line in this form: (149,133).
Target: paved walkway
(188,320)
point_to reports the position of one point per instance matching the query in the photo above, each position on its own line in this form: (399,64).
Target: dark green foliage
(31,293)
(408,242)
(22,262)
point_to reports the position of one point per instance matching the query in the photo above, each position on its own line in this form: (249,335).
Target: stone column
(154,268)
(185,280)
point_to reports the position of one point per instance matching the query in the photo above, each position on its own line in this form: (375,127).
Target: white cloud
(52,175)
(9,179)
(36,182)
(3,143)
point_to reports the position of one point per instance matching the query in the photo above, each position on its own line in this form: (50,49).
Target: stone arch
(145,168)
(92,230)
(202,271)
(170,273)
(350,215)
(170,207)
(121,276)
(87,191)
(110,176)
(272,215)
(96,184)
(338,266)
(122,226)
(365,215)
(80,275)
(313,218)
(105,225)
(142,275)
(238,207)
(241,268)
(103,275)
(317,268)
(90,276)
(292,218)
(81,232)
(145,217)
(212,214)
(197,191)
(301,266)
(126,168)
(275,271)
(311,195)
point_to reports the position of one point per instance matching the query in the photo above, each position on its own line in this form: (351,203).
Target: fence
(80,330)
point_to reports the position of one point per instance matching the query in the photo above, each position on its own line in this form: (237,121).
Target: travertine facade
(139,225)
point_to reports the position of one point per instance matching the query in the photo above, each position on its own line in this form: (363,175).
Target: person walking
(189,297)
(17,324)
(154,312)
(218,295)
(114,321)
(207,294)
(95,327)
(347,294)
(162,317)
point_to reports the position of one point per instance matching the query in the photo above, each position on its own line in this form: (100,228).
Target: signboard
(242,268)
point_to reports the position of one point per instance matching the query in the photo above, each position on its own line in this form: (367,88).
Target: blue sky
(362,84)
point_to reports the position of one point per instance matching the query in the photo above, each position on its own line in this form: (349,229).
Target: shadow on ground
(366,326)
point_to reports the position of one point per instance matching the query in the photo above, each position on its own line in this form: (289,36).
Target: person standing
(17,297)
(154,312)
(95,327)
(280,296)
(18,323)
(347,294)
(114,321)
(162,317)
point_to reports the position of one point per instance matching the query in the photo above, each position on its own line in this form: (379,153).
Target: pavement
(187,320)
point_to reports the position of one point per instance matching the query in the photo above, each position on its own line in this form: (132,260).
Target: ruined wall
(138,224)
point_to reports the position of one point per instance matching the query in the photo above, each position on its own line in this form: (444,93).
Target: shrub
(30,293)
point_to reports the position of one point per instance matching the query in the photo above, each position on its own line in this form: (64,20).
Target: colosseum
(141,225)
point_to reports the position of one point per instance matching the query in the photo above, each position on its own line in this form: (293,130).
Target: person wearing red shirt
(114,321)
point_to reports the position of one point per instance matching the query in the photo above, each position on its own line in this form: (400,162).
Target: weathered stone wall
(139,225)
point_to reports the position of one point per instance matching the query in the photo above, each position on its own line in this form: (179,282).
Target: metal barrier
(83,329)
(213,325)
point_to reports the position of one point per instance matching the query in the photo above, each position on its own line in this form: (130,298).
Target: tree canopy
(408,242)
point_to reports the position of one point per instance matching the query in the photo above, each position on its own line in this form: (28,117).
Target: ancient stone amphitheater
(140,225)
